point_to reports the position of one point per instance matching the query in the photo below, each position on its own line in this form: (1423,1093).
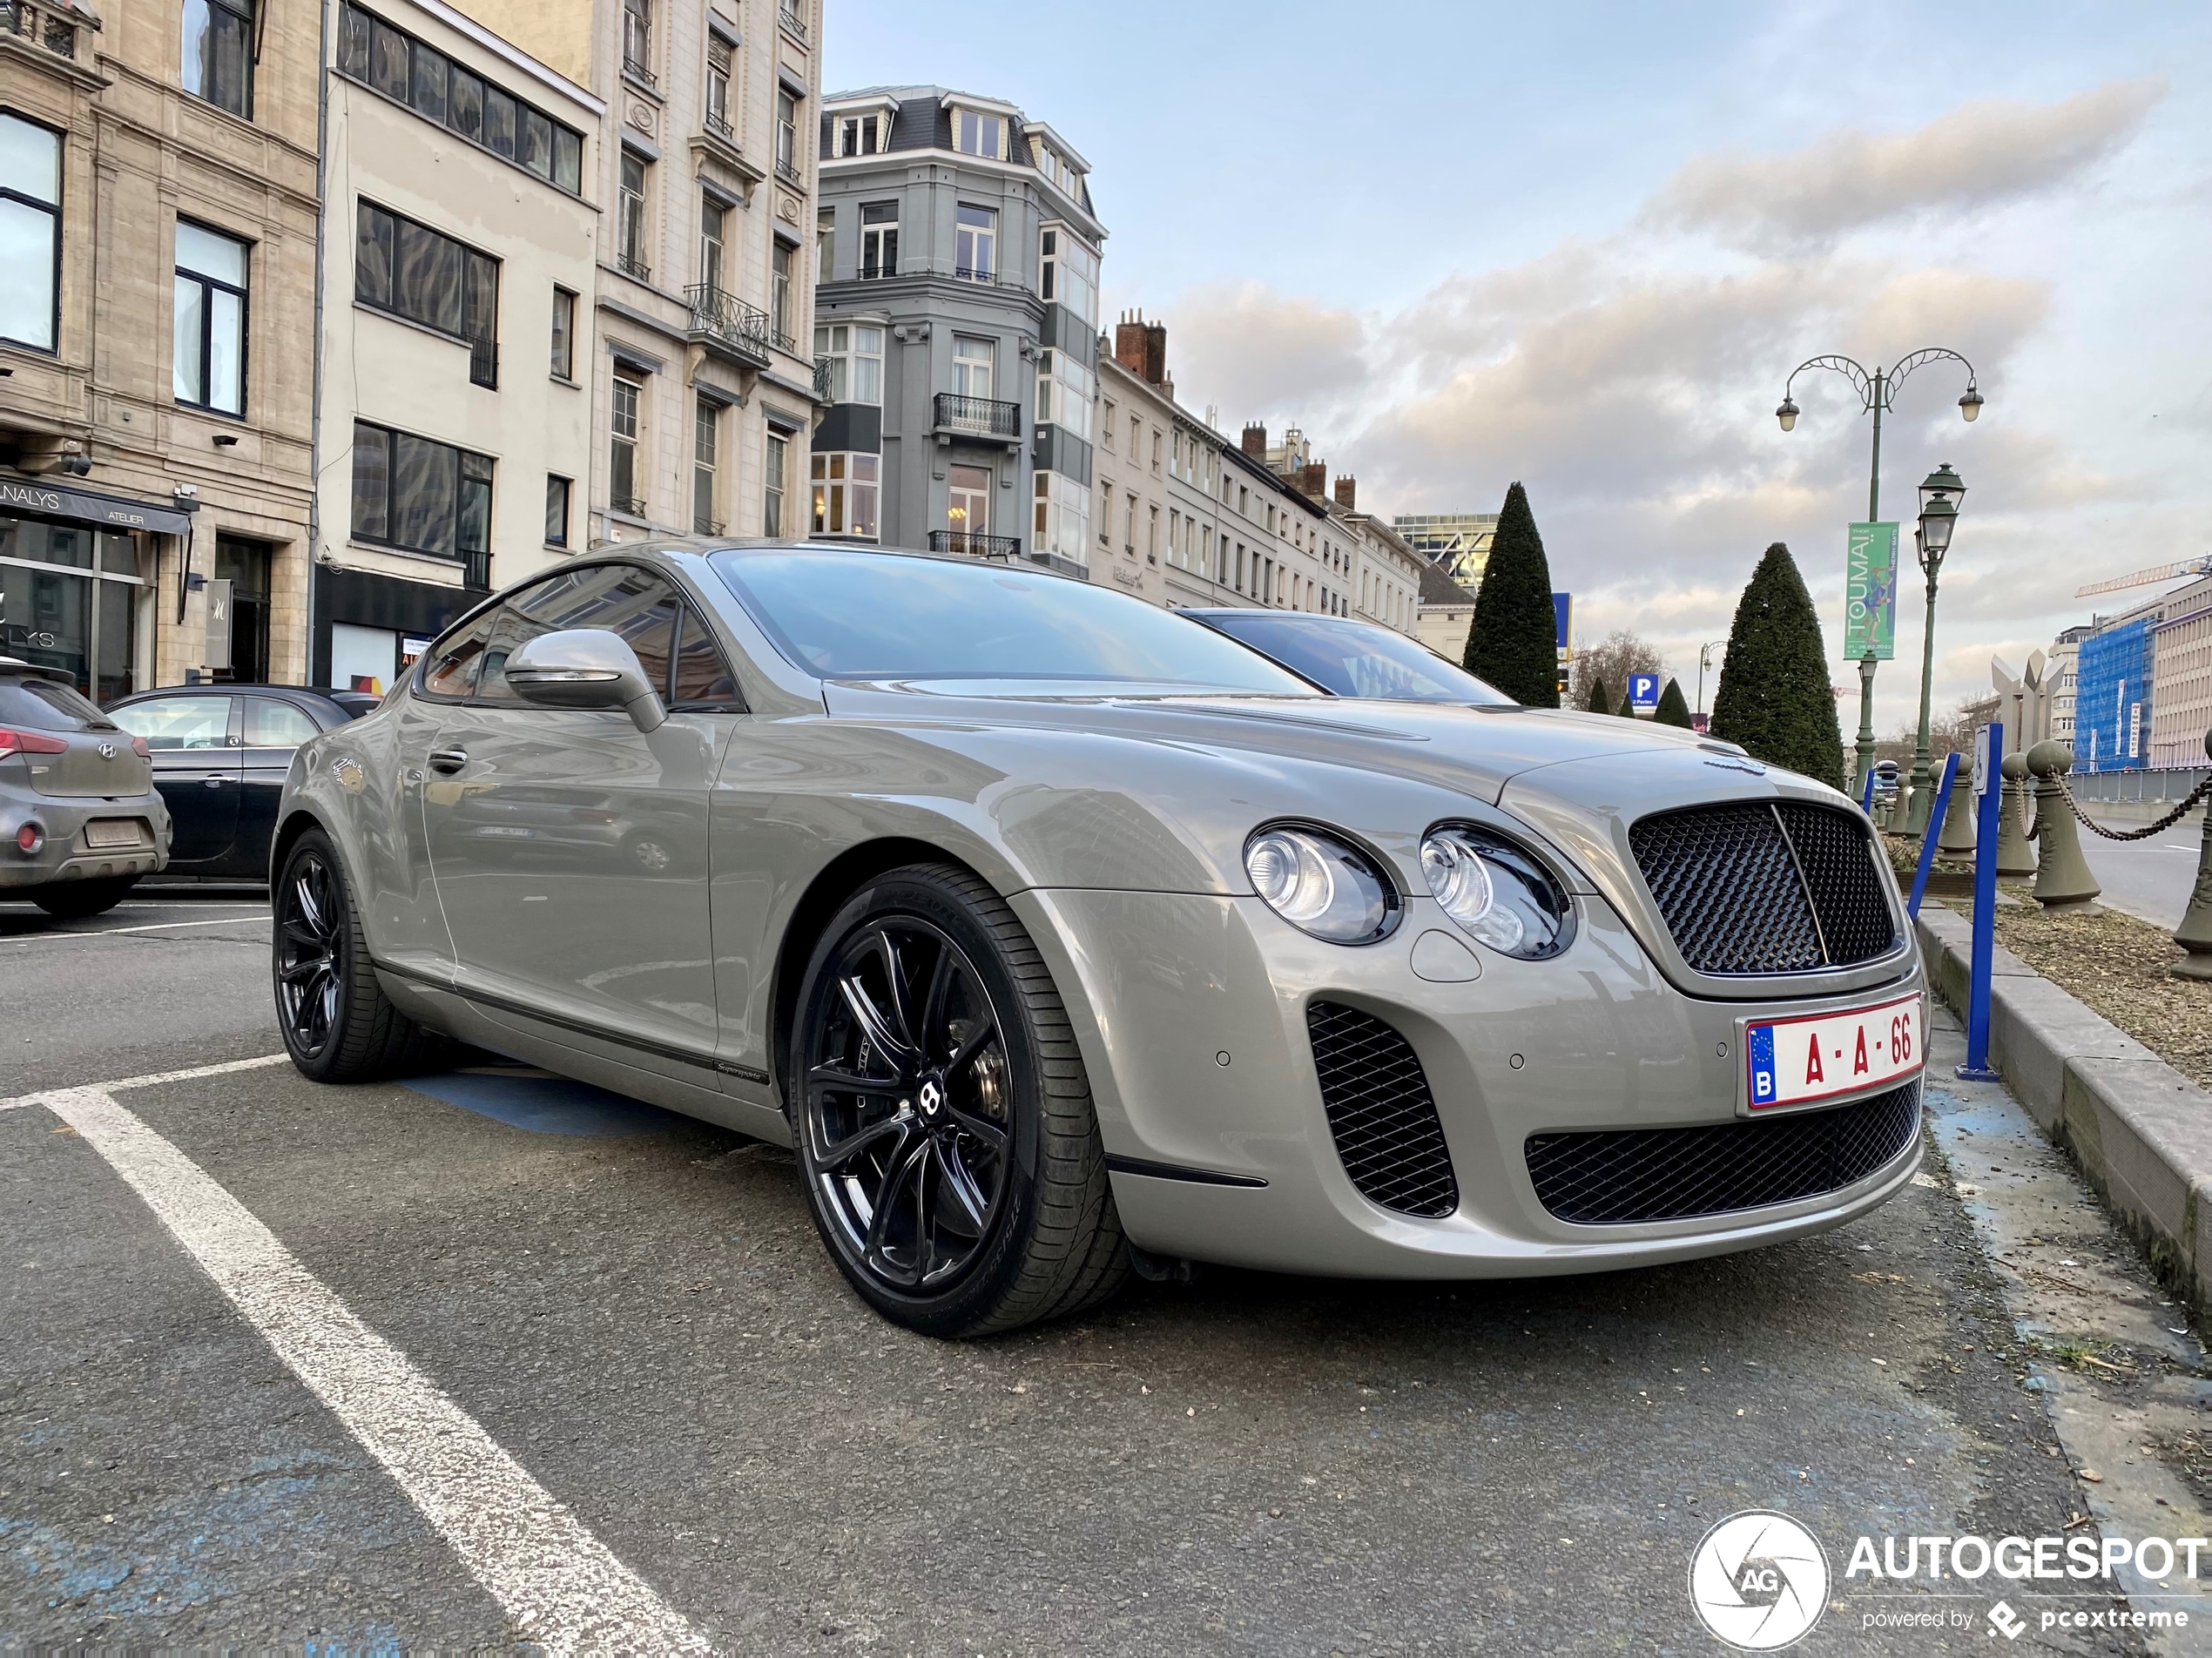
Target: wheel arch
(826,894)
(296,823)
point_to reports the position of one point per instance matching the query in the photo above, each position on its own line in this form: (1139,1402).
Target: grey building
(956,328)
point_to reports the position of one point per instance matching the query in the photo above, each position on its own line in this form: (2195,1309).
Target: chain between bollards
(2145,833)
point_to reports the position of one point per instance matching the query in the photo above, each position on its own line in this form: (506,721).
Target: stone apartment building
(698,358)
(459,267)
(158,184)
(957,320)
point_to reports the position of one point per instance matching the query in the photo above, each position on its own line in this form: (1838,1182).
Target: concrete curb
(2141,1130)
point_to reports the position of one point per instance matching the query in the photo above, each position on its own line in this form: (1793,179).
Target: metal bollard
(1956,837)
(2194,933)
(2015,854)
(2063,883)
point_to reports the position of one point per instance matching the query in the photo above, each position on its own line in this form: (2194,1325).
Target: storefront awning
(111,512)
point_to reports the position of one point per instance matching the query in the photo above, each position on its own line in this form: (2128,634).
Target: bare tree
(1623,653)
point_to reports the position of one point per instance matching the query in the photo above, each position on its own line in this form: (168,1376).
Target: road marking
(155,1078)
(565,1589)
(151,927)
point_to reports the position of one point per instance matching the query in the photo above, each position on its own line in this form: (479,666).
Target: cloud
(1977,156)
(1257,352)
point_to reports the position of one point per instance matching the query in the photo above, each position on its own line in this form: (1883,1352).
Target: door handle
(213,783)
(448,760)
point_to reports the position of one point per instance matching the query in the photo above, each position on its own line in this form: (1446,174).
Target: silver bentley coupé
(1062,937)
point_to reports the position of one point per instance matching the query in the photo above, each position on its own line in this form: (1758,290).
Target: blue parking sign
(1644,692)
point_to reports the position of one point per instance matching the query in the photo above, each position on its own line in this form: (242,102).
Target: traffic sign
(1644,693)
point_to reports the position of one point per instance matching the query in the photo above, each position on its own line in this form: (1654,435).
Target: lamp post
(1877,393)
(1705,661)
(1940,493)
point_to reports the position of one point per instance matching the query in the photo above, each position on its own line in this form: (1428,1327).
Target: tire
(337,1025)
(980,1129)
(74,900)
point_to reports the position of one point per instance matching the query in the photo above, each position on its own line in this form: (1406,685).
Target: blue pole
(1929,835)
(1867,794)
(1988,821)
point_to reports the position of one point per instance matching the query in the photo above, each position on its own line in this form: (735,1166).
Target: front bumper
(1191,1012)
(65,855)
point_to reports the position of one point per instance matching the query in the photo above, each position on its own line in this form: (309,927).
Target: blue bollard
(1928,841)
(1989,746)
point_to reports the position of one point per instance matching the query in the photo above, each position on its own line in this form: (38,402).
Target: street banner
(1563,624)
(1870,593)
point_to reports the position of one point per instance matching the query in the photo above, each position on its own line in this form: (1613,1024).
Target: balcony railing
(792,19)
(821,379)
(55,32)
(985,416)
(719,317)
(475,572)
(631,265)
(788,171)
(483,363)
(636,69)
(630,506)
(1000,549)
(721,129)
(877,272)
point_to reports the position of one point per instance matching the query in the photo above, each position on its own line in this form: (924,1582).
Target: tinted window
(1357,659)
(866,615)
(47,705)
(271,724)
(703,679)
(179,722)
(450,666)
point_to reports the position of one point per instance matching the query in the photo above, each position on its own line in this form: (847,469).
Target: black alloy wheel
(338,1025)
(960,1187)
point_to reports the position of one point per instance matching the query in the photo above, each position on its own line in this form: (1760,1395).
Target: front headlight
(1497,893)
(1321,885)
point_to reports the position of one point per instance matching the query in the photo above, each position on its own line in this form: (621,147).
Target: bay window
(845,494)
(855,355)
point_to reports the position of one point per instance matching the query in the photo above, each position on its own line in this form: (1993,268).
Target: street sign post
(1870,593)
(1989,794)
(1644,693)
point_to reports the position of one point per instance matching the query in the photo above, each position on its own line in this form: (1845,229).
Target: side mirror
(585,668)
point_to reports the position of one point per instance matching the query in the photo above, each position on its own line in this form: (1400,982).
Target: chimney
(1313,480)
(1254,443)
(1346,494)
(1142,347)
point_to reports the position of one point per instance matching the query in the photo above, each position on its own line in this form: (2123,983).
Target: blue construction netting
(2111,700)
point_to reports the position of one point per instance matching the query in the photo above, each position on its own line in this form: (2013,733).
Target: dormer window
(862,134)
(1055,166)
(977,134)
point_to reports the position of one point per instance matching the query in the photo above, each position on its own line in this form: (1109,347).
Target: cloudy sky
(1584,246)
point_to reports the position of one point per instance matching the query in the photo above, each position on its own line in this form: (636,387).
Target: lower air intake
(1381,1112)
(1615,1178)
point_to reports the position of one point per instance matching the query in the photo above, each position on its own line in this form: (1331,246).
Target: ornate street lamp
(1940,493)
(1876,391)
(1705,661)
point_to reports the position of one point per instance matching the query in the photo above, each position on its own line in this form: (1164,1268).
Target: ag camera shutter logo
(1758,1581)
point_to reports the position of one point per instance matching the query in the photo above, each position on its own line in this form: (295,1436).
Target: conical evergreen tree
(1595,700)
(1514,643)
(1774,697)
(1627,709)
(1674,707)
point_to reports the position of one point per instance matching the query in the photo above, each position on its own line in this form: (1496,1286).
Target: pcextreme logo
(1759,1581)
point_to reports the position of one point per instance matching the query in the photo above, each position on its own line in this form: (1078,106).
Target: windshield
(1357,659)
(876,616)
(47,705)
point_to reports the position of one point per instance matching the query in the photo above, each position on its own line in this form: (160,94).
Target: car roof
(299,696)
(36,670)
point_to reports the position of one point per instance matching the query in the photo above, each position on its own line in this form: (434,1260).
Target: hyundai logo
(107,751)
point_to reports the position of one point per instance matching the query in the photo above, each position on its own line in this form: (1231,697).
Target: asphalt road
(642,1325)
(2150,878)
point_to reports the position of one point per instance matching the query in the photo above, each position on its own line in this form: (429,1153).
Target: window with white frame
(714,219)
(706,457)
(1066,393)
(786,133)
(975,238)
(1068,272)
(775,470)
(974,366)
(825,243)
(878,239)
(1106,424)
(846,488)
(30,232)
(719,103)
(209,365)
(854,352)
(1062,525)
(977,134)
(638,39)
(862,134)
(625,478)
(629,217)
(782,274)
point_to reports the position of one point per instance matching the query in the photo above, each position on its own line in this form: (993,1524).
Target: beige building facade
(157,329)
(461,254)
(699,358)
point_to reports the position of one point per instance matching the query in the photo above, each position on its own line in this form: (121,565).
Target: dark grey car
(78,810)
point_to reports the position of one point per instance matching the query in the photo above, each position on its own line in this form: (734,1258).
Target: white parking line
(564,1588)
(151,927)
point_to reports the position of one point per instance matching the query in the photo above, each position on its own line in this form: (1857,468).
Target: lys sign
(1870,592)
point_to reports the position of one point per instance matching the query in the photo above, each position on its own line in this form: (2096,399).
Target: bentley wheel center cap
(933,1100)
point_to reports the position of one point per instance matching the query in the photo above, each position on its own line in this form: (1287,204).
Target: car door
(568,849)
(194,742)
(270,728)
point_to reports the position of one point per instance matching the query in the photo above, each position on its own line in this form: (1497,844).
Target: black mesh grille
(1381,1112)
(1614,1177)
(1737,900)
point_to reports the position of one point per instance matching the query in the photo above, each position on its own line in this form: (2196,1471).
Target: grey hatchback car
(78,811)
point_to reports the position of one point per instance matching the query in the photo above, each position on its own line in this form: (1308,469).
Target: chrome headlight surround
(1323,883)
(1498,894)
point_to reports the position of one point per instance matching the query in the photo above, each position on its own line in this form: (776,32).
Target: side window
(179,722)
(450,664)
(631,603)
(511,633)
(271,724)
(703,681)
